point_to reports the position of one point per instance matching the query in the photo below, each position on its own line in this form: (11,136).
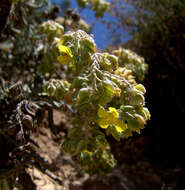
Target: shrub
(100,89)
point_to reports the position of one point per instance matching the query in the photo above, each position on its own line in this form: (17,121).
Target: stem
(86,125)
(51,122)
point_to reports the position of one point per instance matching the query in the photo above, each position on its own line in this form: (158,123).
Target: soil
(62,173)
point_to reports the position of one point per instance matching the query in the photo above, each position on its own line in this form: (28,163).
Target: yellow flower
(66,54)
(110,118)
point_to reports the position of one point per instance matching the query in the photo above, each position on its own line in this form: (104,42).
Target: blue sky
(100,32)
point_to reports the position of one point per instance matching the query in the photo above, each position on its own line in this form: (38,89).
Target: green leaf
(141,88)
(137,100)
(84,95)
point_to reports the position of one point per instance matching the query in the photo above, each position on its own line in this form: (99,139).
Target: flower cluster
(102,94)
(132,62)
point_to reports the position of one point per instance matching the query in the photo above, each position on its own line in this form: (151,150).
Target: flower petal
(104,123)
(64,59)
(65,50)
(114,112)
(102,112)
(120,125)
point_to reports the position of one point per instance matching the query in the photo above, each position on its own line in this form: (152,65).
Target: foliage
(99,6)
(59,69)
(70,19)
(94,83)
(133,62)
(20,43)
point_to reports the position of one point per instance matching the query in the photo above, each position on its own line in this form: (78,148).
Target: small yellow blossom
(66,54)
(110,118)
